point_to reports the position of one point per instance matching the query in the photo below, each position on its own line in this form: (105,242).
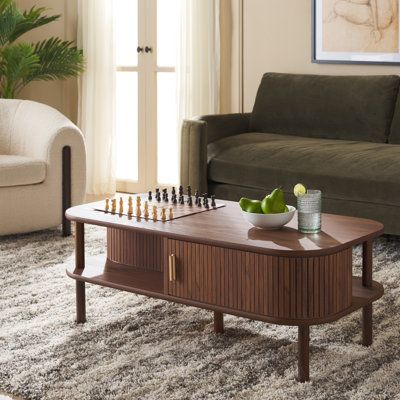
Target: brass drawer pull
(172,267)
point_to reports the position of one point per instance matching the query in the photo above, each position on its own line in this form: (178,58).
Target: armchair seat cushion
(19,170)
(346,170)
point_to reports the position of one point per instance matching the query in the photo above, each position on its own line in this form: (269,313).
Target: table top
(226,227)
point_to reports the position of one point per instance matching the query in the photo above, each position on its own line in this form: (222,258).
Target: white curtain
(97,93)
(198,64)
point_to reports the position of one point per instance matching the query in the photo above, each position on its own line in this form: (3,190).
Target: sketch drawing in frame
(356,31)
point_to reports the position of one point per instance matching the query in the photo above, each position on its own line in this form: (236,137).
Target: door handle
(148,49)
(172,268)
(139,49)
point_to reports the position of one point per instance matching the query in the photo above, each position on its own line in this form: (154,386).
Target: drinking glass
(309,212)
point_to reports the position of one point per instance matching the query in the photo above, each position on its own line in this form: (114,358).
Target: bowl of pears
(269,213)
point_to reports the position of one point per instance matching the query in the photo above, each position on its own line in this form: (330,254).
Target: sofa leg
(66,189)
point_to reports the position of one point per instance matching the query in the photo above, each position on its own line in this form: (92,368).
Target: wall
(277,37)
(61,95)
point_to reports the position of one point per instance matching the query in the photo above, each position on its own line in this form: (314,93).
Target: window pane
(167,21)
(127,125)
(167,135)
(126,32)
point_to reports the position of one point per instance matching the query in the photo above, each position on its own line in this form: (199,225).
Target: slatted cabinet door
(274,286)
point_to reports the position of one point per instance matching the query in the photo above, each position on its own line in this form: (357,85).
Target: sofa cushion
(18,170)
(334,107)
(346,170)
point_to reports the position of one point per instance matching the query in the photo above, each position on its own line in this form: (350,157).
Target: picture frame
(353,32)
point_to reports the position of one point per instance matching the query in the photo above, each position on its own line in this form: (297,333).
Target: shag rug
(133,347)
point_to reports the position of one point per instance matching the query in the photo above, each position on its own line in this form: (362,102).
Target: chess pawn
(146,210)
(154,213)
(171,214)
(163,215)
(173,191)
(150,198)
(138,201)
(213,203)
(114,206)
(107,207)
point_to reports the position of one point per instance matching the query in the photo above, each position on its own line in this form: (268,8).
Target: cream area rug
(133,347)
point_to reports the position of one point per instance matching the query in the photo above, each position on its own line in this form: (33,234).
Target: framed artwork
(356,31)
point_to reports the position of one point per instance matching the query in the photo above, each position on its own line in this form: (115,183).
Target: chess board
(178,210)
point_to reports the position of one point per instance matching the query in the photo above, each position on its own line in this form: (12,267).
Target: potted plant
(22,62)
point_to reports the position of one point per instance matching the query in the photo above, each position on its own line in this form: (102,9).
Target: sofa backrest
(336,107)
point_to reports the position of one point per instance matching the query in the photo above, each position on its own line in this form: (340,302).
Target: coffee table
(216,260)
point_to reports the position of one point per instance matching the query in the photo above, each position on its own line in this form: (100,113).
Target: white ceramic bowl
(270,221)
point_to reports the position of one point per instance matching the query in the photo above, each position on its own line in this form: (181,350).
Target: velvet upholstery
(334,107)
(341,169)
(336,134)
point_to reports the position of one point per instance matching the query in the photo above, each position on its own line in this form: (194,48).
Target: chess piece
(173,199)
(181,200)
(171,214)
(138,212)
(199,202)
(164,194)
(158,198)
(173,191)
(166,198)
(190,201)
(180,190)
(163,215)
(121,205)
(150,198)
(130,206)
(107,207)
(154,213)
(189,191)
(114,206)
(213,203)
(146,210)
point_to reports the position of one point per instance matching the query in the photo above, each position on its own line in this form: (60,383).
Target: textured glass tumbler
(309,212)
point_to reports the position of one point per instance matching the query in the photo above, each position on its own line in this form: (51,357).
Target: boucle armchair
(42,167)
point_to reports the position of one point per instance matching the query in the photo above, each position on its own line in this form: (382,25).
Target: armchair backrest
(8,110)
(335,107)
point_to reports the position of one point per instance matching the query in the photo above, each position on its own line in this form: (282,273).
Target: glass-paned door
(146,105)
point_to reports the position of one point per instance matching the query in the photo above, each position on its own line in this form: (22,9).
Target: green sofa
(340,134)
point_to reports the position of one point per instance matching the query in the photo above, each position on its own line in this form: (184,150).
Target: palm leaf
(17,62)
(9,18)
(58,60)
(30,20)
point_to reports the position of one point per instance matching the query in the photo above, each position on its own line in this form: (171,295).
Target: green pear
(274,203)
(251,206)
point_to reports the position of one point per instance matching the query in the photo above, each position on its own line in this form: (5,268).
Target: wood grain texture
(101,272)
(139,250)
(293,289)
(227,228)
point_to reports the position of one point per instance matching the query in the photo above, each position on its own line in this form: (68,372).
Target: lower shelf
(151,283)
(118,276)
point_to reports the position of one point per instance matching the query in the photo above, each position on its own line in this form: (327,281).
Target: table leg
(218,322)
(304,353)
(80,265)
(367,282)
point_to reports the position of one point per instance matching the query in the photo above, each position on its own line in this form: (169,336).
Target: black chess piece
(158,197)
(189,191)
(157,191)
(166,198)
(190,201)
(181,200)
(150,198)
(180,190)
(199,202)
(164,193)
(174,200)
(213,204)
(173,191)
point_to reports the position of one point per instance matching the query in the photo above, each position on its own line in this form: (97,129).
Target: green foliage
(21,63)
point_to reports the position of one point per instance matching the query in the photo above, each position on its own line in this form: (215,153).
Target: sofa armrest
(197,133)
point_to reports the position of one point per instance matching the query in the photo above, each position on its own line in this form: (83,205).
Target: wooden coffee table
(217,261)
